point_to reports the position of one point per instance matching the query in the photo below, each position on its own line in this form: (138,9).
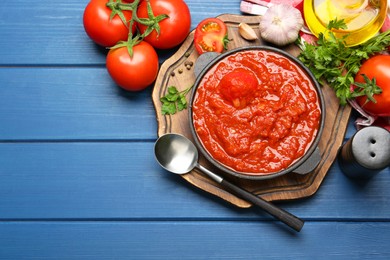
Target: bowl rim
(252,176)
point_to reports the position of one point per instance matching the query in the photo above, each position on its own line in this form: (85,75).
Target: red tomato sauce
(256,112)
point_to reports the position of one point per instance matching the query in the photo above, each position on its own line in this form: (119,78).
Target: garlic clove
(280,24)
(247,32)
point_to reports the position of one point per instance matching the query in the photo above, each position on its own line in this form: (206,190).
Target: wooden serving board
(173,72)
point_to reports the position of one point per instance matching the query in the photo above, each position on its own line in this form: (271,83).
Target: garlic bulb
(280,24)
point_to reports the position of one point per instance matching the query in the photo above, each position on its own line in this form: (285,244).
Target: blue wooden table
(78,178)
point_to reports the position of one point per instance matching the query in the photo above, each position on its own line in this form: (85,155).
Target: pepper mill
(366,153)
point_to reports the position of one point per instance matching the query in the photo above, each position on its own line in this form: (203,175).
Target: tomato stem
(152,21)
(117,8)
(369,88)
(131,40)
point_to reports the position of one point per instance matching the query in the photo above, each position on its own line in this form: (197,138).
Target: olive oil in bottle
(363,18)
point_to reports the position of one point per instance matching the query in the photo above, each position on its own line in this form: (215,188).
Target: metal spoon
(179,155)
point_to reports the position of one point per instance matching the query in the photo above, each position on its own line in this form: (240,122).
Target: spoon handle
(284,216)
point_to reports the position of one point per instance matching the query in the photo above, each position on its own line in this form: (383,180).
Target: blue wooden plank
(71,103)
(52,32)
(121,180)
(78,178)
(193,240)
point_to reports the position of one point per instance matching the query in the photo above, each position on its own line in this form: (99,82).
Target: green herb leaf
(168,108)
(174,101)
(332,62)
(336,24)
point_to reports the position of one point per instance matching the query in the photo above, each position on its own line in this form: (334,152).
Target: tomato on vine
(106,23)
(166,23)
(375,68)
(133,67)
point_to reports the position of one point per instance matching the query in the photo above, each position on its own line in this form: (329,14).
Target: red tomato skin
(174,29)
(239,87)
(100,29)
(210,40)
(133,73)
(377,67)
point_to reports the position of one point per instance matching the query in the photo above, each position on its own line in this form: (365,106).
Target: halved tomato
(211,36)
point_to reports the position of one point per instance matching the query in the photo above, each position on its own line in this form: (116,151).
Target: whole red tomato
(174,29)
(133,73)
(100,28)
(377,67)
(238,87)
(210,35)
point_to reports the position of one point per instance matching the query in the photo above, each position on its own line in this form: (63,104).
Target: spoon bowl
(177,154)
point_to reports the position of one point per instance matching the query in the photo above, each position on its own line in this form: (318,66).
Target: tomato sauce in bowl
(256,112)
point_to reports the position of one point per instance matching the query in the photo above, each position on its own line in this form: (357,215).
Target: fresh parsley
(332,62)
(174,100)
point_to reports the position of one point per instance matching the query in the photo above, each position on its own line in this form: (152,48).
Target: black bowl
(304,164)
